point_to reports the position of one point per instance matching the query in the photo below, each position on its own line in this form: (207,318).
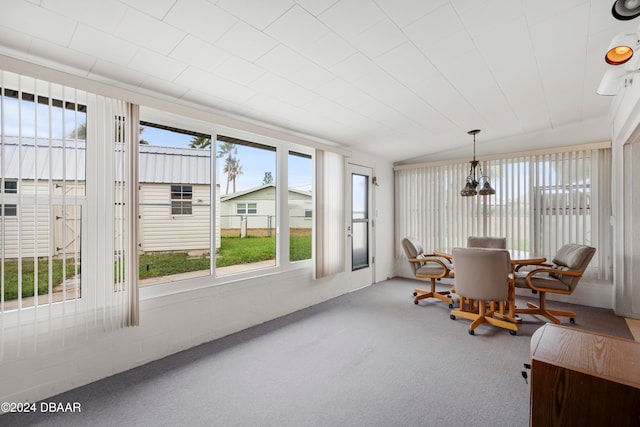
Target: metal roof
(66,158)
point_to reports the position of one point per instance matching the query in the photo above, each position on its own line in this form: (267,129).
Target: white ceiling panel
(258,13)
(214,85)
(484,19)
(354,67)
(156,8)
(102,14)
(328,50)
(316,7)
(380,38)
(200,18)
(239,71)
(343,93)
(311,76)
(246,42)
(170,90)
(199,53)
(27,18)
(283,61)
(404,12)
(297,28)
(135,27)
(282,89)
(440,24)
(102,45)
(403,79)
(152,63)
(340,17)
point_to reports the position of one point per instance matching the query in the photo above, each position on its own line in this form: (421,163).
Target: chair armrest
(449,257)
(548,270)
(517,264)
(425,260)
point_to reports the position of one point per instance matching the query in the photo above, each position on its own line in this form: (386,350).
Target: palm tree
(232,166)
(236,170)
(201,142)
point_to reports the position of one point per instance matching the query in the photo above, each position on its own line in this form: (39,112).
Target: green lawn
(28,276)
(234,250)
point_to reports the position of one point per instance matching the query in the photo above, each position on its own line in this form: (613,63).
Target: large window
(66,196)
(246,172)
(175,204)
(542,201)
(43,152)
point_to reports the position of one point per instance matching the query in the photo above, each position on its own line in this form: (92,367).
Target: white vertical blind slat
(540,205)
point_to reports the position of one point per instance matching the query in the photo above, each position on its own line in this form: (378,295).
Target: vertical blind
(542,201)
(330,214)
(66,160)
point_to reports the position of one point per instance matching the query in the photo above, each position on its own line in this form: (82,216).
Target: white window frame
(181,203)
(246,208)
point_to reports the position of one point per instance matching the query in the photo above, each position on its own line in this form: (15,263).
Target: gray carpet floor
(369,358)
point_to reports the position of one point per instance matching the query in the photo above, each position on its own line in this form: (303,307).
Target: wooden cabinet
(580,378)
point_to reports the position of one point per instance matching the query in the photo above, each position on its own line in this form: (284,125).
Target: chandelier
(475,180)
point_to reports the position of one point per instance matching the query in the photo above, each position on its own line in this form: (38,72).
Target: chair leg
(432,293)
(542,310)
(483,316)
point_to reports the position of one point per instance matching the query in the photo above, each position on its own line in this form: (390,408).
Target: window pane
(175,207)
(360,250)
(43,155)
(245,172)
(300,206)
(11,187)
(359,188)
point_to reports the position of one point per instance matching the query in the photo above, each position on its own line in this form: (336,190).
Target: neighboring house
(258,206)
(174,198)
(175,194)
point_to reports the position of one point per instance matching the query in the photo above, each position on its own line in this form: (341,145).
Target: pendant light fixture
(476,179)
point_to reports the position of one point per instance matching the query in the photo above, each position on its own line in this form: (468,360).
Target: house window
(181,199)
(247,208)
(8,209)
(308,213)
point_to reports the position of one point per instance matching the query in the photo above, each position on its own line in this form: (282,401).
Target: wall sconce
(622,54)
(625,10)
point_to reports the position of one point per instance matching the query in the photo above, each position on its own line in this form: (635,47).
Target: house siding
(161,231)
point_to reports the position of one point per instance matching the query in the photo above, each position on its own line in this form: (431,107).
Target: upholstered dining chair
(560,277)
(430,266)
(483,276)
(487,242)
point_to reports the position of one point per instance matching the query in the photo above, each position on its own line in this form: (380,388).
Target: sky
(255,162)
(35,120)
